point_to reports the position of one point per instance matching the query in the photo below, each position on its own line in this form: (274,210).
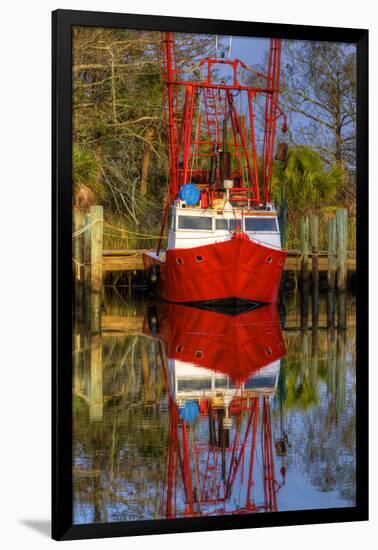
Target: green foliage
(119,153)
(308,185)
(299,391)
(86,172)
(79,407)
(85,166)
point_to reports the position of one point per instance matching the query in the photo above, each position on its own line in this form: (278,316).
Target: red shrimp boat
(223,236)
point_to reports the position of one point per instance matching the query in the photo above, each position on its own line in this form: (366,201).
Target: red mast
(272,113)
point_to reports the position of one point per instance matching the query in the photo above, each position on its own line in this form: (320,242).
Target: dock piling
(341,230)
(96,384)
(87,251)
(341,311)
(304,234)
(304,303)
(97,219)
(332,259)
(331,308)
(314,237)
(78,257)
(96,240)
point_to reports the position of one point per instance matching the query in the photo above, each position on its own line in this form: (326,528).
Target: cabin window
(198,353)
(221,382)
(179,261)
(195,222)
(194,384)
(179,348)
(199,258)
(234,224)
(269,260)
(224,225)
(221,224)
(259,382)
(260,224)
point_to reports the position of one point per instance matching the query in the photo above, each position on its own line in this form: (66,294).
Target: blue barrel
(189,412)
(190,193)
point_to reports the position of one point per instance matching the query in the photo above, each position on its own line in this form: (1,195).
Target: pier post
(314,237)
(77,362)
(147,390)
(304,232)
(87,249)
(331,309)
(304,299)
(341,229)
(96,386)
(78,267)
(87,271)
(97,218)
(78,249)
(332,259)
(341,311)
(314,336)
(331,360)
(304,353)
(340,373)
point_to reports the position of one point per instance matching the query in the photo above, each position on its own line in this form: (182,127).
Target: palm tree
(308,185)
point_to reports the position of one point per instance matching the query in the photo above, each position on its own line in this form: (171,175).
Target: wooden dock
(91,260)
(119,325)
(132,260)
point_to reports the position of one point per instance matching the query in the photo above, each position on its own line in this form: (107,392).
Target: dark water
(180,412)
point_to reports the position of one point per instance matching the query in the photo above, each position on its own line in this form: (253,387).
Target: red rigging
(222,231)
(214,403)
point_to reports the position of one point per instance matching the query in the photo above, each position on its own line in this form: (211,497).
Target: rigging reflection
(220,372)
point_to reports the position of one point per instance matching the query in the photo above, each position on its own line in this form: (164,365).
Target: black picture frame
(62,23)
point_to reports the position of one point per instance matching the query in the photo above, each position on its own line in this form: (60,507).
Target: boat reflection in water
(220,373)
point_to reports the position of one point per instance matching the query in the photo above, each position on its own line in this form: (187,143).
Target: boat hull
(237,346)
(239,268)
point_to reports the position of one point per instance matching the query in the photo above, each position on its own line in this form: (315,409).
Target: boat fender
(153,276)
(153,321)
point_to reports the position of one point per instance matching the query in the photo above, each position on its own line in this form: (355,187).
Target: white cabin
(189,381)
(189,227)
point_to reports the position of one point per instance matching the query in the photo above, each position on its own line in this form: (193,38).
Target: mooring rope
(85,228)
(128,232)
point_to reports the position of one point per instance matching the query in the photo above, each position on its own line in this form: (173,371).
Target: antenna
(229,47)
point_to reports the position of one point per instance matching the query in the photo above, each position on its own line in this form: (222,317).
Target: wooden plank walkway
(132,260)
